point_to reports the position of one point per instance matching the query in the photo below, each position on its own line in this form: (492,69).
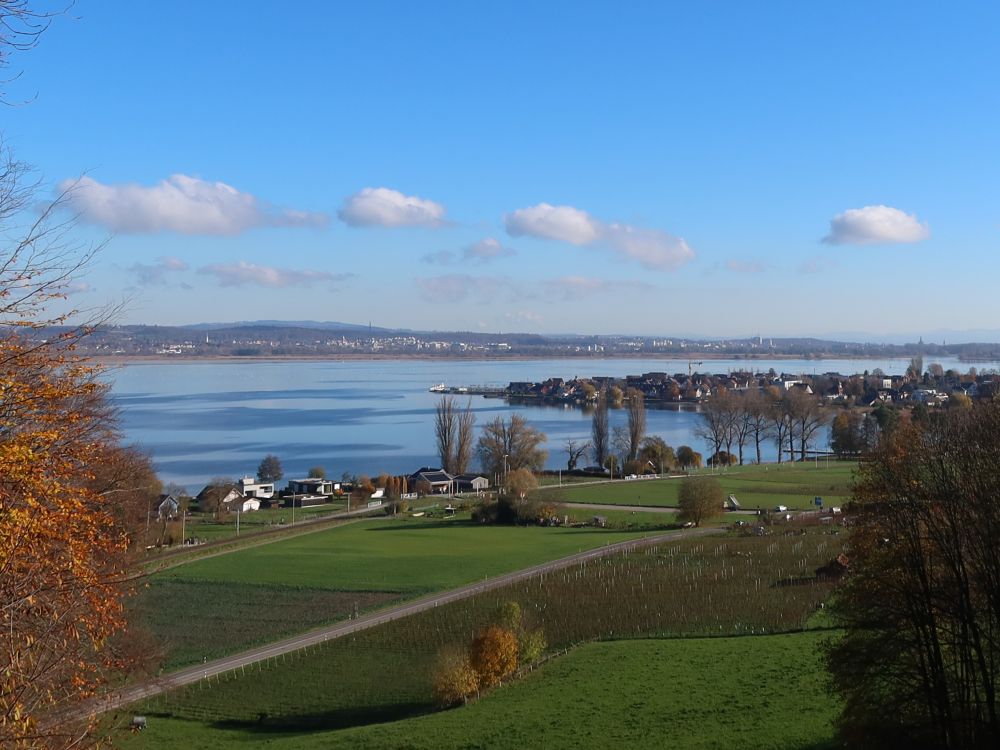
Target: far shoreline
(118,360)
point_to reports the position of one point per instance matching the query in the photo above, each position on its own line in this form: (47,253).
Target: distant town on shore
(280,339)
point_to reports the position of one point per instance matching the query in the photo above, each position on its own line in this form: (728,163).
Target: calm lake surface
(201,420)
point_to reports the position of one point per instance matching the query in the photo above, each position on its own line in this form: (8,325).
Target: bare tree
(445,431)
(808,416)
(636,422)
(742,425)
(780,422)
(574,452)
(465,429)
(758,420)
(508,445)
(917,665)
(716,425)
(599,429)
(620,442)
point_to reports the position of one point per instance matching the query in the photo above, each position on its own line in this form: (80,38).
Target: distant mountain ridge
(942,337)
(311,324)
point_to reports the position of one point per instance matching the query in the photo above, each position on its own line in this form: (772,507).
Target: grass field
(756,692)
(794,485)
(412,556)
(764,692)
(735,585)
(207,528)
(212,607)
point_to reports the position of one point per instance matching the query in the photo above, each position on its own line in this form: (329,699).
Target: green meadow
(219,605)
(373,689)
(757,692)
(794,485)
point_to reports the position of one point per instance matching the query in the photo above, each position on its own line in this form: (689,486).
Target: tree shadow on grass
(341,718)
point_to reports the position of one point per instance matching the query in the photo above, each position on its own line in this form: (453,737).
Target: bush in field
(454,678)
(700,499)
(722,458)
(531,645)
(688,458)
(493,654)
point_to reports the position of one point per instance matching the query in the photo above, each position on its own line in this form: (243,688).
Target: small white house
(311,486)
(250,487)
(168,507)
(246,504)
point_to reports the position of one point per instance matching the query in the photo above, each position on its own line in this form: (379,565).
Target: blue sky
(662,168)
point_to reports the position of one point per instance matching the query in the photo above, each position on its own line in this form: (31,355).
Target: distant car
(780,508)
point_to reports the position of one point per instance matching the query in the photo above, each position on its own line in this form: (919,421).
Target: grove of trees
(734,420)
(919,662)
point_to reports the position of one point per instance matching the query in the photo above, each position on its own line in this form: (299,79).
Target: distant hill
(310,324)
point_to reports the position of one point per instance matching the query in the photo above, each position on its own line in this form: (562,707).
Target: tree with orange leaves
(68,490)
(493,654)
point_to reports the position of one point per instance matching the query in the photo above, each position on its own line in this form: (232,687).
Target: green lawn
(794,485)
(750,692)
(208,608)
(412,556)
(207,528)
(721,586)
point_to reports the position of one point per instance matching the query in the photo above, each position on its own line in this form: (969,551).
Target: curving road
(190,675)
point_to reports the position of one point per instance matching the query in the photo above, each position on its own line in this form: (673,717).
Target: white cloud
(745,266)
(486,250)
(180,203)
(652,248)
(547,222)
(78,287)
(875,225)
(242,273)
(383,207)
(148,275)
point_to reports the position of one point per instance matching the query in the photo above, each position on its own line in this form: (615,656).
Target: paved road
(643,508)
(190,675)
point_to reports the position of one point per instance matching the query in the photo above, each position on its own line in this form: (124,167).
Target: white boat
(439,388)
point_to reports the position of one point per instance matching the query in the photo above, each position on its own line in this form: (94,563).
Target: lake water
(201,420)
